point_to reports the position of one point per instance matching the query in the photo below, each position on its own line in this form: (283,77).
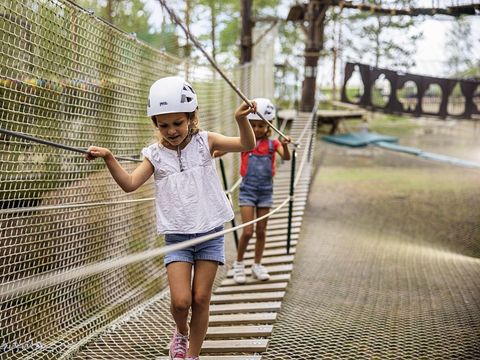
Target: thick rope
(51,143)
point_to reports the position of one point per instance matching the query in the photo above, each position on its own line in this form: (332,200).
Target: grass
(391,179)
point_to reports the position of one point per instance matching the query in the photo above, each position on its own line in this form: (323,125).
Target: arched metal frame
(369,74)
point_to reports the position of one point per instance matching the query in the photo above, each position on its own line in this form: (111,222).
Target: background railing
(395,92)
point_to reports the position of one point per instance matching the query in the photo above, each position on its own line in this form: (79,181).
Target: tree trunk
(110,11)
(246,35)
(315,17)
(188,46)
(213,23)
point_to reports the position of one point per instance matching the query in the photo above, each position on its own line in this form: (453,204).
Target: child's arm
(218,153)
(245,142)
(128,182)
(284,151)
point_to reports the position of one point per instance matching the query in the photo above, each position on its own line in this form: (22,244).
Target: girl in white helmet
(189,200)
(257,169)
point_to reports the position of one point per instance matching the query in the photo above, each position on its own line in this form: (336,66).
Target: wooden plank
(286,184)
(286,180)
(239,331)
(285,259)
(332,114)
(272,269)
(282,237)
(226,346)
(284,214)
(255,297)
(281,231)
(283,190)
(236,319)
(297,205)
(287,114)
(296,219)
(248,288)
(282,224)
(271,252)
(268,306)
(299,193)
(273,279)
(274,244)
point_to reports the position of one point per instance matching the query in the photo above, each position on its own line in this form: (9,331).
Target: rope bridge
(70,78)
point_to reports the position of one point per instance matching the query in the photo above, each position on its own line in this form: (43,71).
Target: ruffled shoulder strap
(203,148)
(152,153)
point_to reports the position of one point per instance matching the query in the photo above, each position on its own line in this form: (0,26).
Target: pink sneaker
(178,346)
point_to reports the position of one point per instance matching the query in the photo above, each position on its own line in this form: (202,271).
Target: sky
(431,50)
(431,54)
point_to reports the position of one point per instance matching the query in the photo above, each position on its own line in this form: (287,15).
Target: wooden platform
(329,117)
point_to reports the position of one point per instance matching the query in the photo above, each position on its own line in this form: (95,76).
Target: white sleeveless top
(189,201)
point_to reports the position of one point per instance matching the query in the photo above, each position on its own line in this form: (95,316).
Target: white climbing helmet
(264,107)
(170,95)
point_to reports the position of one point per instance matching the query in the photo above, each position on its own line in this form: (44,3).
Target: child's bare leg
(248,214)
(260,232)
(204,276)
(179,279)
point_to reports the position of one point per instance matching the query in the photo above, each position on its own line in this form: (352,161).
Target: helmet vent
(185,98)
(188,88)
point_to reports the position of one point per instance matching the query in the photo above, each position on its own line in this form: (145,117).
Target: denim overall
(257,185)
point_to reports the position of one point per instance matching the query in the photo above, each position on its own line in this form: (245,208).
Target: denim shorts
(256,196)
(212,250)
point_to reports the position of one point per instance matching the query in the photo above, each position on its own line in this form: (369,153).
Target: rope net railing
(68,77)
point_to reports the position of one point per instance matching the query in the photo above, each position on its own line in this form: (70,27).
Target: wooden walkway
(242,316)
(329,117)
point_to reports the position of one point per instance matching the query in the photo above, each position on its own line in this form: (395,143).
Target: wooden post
(246,35)
(110,11)
(315,16)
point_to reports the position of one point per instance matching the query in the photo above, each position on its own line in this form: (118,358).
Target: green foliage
(460,43)
(472,72)
(385,40)
(287,79)
(132,17)
(225,36)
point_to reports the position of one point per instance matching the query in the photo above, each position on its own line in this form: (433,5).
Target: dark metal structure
(311,16)
(397,80)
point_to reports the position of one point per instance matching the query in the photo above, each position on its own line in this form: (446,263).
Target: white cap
(171,95)
(265,108)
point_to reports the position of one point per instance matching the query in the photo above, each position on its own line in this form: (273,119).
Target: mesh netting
(68,77)
(388,262)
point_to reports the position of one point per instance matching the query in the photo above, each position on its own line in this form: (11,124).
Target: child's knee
(181,304)
(201,299)
(260,230)
(248,231)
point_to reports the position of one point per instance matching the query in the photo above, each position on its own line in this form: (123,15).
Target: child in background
(256,190)
(189,200)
